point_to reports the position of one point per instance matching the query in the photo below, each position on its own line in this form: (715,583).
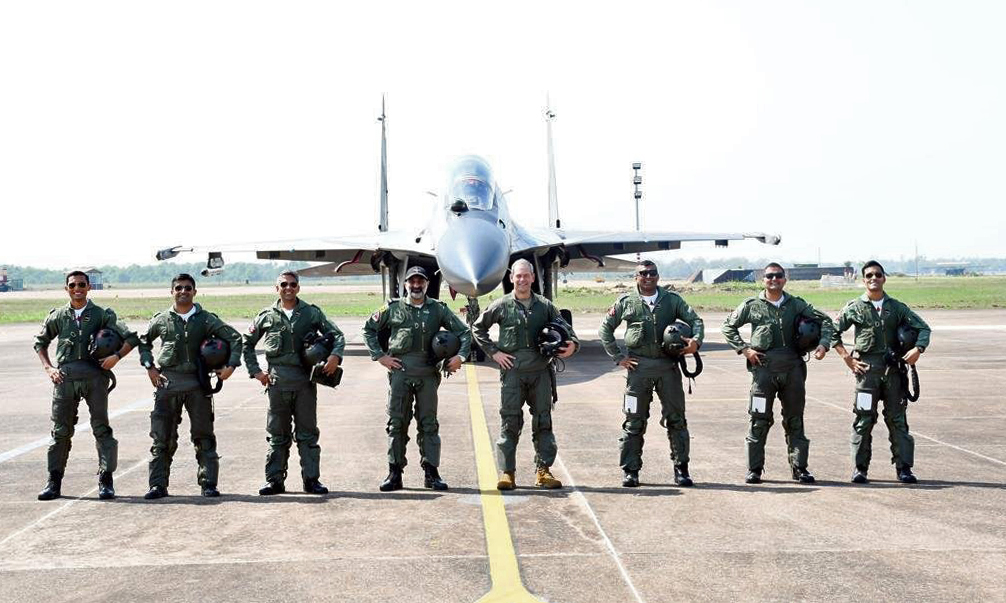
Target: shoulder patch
(611,310)
(377,313)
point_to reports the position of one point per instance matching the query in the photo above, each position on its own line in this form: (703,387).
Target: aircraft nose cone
(473,256)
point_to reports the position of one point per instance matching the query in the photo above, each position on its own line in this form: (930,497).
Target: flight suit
(655,371)
(783,372)
(292,395)
(412,330)
(176,359)
(82,378)
(528,380)
(875,334)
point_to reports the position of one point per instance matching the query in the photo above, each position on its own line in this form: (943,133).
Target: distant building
(713,276)
(800,272)
(9,284)
(94,276)
(813,272)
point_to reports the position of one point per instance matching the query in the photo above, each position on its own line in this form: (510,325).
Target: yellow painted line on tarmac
(507,586)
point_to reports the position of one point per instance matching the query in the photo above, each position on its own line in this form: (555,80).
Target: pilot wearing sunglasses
(647,312)
(777,368)
(876,317)
(292,395)
(182,328)
(75,376)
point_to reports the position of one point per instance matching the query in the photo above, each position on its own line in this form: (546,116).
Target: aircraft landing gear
(472,312)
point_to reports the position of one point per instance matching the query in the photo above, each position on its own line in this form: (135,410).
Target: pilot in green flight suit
(77,376)
(525,374)
(292,395)
(413,376)
(876,317)
(777,369)
(647,312)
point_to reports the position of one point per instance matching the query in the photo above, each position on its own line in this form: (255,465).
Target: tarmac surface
(942,539)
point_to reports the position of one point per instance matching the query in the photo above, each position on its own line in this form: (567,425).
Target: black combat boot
(271,488)
(681,476)
(394,479)
(105,489)
(753,477)
(313,486)
(210,491)
(52,487)
(859,476)
(432,479)
(802,475)
(631,479)
(906,476)
(156,492)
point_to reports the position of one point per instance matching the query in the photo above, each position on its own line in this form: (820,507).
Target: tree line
(265,272)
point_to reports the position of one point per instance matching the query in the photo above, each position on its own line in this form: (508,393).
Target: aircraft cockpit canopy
(472,182)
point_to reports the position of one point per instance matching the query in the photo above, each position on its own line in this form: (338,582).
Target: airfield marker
(503,569)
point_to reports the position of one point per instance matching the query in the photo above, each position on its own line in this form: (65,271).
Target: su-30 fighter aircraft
(469,241)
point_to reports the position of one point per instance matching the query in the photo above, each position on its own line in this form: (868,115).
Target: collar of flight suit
(785,297)
(198,308)
(278,306)
(866,298)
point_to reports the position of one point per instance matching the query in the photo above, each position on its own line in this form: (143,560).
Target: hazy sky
(856,128)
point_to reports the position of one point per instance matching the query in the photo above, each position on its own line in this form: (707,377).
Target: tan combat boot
(545,479)
(506,481)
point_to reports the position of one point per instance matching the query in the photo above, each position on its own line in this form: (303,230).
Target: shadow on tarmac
(642,490)
(765,486)
(280,498)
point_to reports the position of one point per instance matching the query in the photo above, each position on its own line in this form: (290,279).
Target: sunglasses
(647,273)
(286,284)
(874,275)
(775,275)
(183,287)
(76,285)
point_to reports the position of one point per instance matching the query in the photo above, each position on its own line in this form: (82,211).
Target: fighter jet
(469,240)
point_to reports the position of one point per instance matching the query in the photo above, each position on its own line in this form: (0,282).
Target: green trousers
(66,398)
(535,389)
(408,396)
(663,376)
(182,392)
(880,383)
(784,377)
(293,400)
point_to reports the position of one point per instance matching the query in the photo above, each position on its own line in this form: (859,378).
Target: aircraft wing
(594,245)
(345,255)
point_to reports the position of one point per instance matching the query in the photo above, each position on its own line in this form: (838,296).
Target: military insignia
(251,328)
(611,311)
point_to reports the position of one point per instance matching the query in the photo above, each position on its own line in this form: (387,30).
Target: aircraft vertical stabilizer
(553,200)
(382,225)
